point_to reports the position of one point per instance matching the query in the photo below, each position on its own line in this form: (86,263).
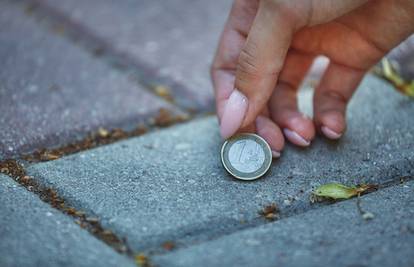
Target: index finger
(231,42)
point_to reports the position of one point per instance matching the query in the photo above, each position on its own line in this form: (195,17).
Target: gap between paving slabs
(52,154)
(16,171)
(164,87)
(213,204)
(86,92)
(92,224)
(334,235)
(103,136)
(389,174)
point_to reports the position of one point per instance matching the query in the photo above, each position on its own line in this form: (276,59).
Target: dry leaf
(339,191)
(388,72)
(270,212)
(164,92)
(142,260)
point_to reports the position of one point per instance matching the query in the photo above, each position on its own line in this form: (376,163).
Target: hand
(267,47)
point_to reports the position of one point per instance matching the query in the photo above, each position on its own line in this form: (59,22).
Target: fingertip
(332,124)
(299,129)
(295,138)
(271,133)
(302,125)
(233,114)
(275,154)
(331,134)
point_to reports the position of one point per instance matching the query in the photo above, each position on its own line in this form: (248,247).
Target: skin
(268,46)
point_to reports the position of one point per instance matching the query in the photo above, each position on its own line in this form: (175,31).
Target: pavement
(81,186)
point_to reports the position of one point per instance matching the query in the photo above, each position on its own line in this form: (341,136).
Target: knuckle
(248,63)
(251,68)
(336,96)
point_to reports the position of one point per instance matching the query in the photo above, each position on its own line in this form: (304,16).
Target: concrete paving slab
(168,39)
(170,185)
(336,235)
(34,234)
(53,92)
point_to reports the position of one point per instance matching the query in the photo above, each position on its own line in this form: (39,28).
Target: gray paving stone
(177,39)
(335,235)
(168,39)
(34,234)
(52,92)
(170,185)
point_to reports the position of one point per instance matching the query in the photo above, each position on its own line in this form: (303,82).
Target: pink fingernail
(233,114)
(295,138)
(275,154)
(331,134)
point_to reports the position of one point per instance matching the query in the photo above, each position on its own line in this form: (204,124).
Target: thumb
(260,61)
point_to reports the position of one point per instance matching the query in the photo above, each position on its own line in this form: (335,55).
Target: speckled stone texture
(335,235)
(170,185)
(53,92)
(176,39)
(34,234)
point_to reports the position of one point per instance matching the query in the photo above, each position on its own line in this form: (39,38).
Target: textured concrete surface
(171,185)
(335,235)
(34,234)
(52,92)
(169,39)
(176,39)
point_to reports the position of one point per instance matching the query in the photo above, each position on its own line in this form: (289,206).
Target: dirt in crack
(92,224)
(102,136)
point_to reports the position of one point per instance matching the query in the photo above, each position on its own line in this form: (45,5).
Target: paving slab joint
(91,223)
(103,136)
(270,213)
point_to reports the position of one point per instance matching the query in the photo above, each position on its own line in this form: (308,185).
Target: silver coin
(246,156)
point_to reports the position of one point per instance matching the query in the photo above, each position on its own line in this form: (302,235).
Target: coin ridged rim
(252,175)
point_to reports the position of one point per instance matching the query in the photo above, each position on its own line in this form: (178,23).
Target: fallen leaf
(142,260)
(270,212)
(102,132)
(164,92)
(389,72)
(339,191)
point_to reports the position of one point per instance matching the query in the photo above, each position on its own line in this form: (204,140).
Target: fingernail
(295,138)
(275,154)
(233,114)
(331,134)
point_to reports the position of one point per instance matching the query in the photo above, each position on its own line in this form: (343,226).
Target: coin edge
(246,134)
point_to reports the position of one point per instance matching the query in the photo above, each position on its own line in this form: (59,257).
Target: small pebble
(368,216)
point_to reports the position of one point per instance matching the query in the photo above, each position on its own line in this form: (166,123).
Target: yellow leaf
(339,191)
(388,72)
(335,191)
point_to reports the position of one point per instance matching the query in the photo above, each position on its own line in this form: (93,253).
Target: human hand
(267,47)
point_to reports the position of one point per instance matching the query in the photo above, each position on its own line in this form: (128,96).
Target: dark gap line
(260,220)
(186,238)
(89,222)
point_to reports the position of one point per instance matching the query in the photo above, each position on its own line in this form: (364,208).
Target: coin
(246,156)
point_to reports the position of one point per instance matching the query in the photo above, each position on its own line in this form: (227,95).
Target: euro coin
(246,156)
